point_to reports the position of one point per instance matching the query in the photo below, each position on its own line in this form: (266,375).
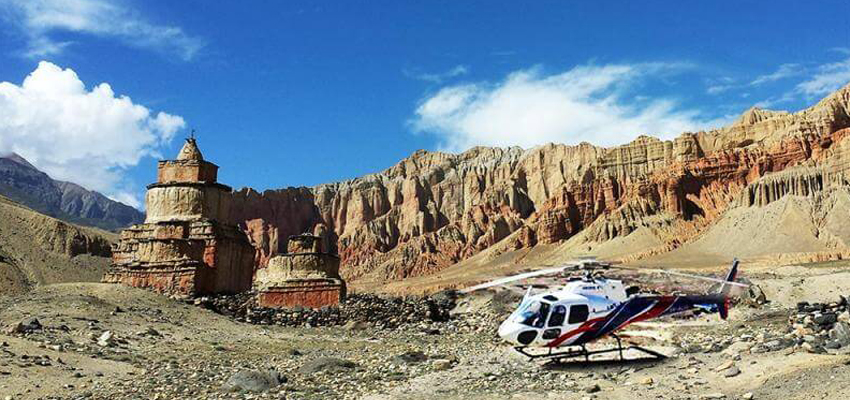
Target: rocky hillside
(25,184)
(36,249)
(648,197)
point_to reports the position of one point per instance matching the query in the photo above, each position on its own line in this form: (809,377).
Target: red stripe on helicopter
(588,325)
(662,305)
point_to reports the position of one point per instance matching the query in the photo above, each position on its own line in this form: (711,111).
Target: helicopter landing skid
(582,351)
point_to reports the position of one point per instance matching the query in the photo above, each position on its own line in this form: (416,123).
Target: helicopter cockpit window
(578,313)
(534,314)
(559,313)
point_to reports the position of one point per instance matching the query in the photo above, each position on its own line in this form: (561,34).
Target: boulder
(826,318)
(28,325)
(106,339)
(326,364)
(840,333)
(442,364)
(594,388)
(755,295)
(253,381)
(356,325)
(410,357)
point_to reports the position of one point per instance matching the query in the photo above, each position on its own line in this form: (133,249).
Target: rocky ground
(98,341)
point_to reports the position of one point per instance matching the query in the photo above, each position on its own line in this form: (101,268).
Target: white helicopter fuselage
(557,318)
(587,309)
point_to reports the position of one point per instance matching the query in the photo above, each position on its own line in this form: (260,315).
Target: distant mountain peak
(18,159)
(23,183)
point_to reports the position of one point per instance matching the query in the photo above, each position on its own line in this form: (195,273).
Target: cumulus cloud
(587,103)
(40,20)
(89,137)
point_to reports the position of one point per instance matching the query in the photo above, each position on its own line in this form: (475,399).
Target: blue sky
(305,92)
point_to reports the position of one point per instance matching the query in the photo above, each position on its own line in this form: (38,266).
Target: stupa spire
(190,150)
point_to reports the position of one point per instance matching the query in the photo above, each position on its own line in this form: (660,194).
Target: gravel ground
(97,341)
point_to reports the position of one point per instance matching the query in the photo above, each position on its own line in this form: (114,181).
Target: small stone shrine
(306,276)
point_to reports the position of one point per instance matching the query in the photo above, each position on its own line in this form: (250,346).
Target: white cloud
(127,197)
(528,108)
(39,20)
(717,89)
(458,70)
(824,80)
(784,71)
(827,79)
(718,85)
(89,137)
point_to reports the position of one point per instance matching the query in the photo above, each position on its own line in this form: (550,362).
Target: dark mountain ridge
(22,182)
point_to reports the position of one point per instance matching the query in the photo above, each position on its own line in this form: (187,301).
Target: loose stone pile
(377,311)
(820,326)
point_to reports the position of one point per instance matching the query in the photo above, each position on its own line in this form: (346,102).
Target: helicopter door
(556,319)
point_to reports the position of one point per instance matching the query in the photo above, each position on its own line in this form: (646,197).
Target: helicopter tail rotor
(726,288)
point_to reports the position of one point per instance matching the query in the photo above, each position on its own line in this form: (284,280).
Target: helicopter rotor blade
(517,277)
(583,264)
(682,274)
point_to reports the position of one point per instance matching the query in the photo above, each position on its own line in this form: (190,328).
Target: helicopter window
(559,313)
(534,314)
(551,333)
(578,313)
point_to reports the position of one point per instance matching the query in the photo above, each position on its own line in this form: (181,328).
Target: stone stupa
(186,245)
(307,275)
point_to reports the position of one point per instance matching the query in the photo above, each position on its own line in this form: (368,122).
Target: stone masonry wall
(187,202)
(186,171)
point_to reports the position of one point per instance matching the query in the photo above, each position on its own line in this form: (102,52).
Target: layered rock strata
(186,245)
(434,209)
(306,276)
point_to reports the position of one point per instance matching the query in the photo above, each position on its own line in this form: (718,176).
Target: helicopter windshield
(533,314)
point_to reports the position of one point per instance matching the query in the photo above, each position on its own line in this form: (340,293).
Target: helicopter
(590,307)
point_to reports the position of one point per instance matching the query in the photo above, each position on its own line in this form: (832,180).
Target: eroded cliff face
(434,209)
(37,249)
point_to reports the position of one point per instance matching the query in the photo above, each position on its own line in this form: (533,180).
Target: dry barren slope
(36,249)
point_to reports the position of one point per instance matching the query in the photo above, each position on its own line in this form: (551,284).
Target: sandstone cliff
(434,209)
